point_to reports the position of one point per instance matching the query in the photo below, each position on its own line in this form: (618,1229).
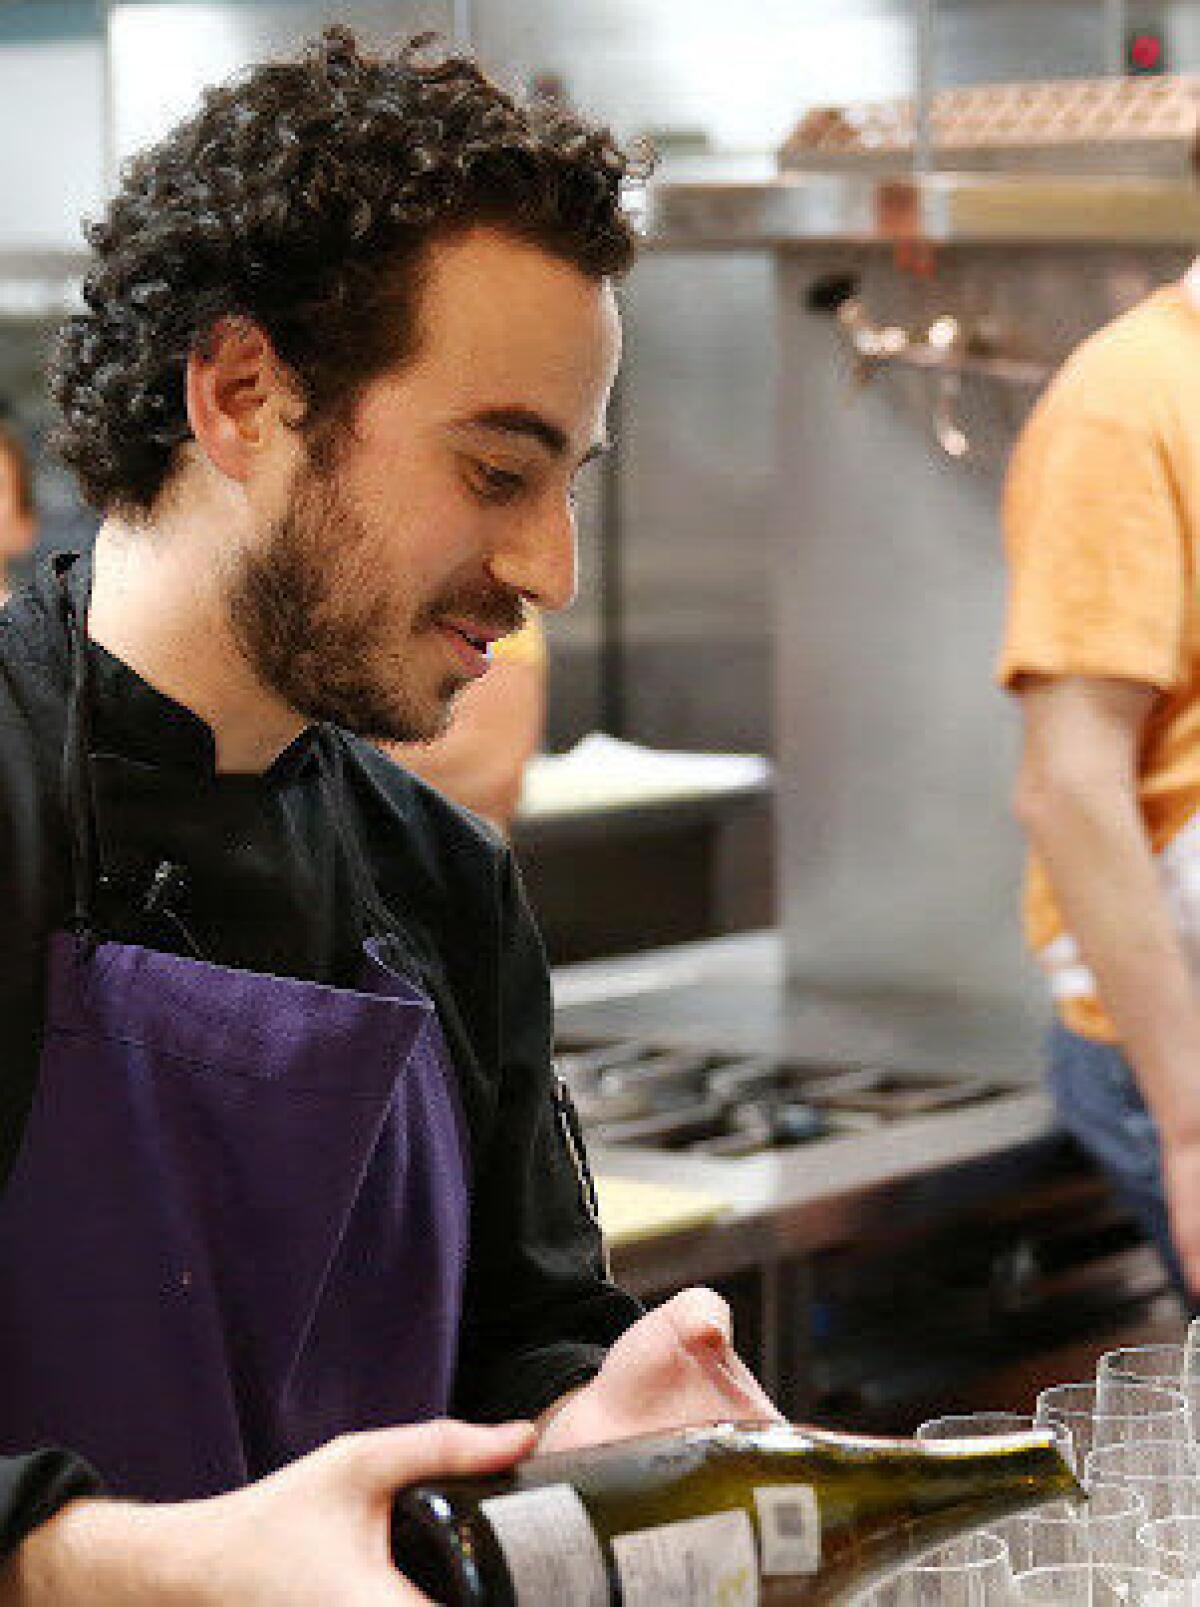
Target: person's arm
(539,1309)
(315,1533)
(546,1333)
(494,731)
(1077,800)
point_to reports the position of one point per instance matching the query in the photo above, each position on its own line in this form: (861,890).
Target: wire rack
(1150,123)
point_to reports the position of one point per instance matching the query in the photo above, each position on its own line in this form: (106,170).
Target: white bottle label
(789,1526)
(550,1547)
(698,1562)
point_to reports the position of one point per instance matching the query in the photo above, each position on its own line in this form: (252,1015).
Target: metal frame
(1114,18)
(941,208)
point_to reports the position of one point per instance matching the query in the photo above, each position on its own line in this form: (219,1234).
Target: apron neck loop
(77,791)
(379,926)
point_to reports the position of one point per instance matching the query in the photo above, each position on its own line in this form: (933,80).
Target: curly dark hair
(302,197)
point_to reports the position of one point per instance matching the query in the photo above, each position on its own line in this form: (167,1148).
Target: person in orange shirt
(1102,649)
(18,516)
(496,728)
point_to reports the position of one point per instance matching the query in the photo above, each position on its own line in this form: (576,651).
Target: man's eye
(496,485)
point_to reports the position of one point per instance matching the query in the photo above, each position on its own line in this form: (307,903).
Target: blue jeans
(1098,1102)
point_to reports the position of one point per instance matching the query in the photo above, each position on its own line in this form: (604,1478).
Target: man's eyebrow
(525,422)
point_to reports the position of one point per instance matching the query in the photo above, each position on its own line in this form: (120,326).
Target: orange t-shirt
(1102,528)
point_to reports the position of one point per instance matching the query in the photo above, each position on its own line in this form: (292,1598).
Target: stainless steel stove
(901,1240)
(629,1092)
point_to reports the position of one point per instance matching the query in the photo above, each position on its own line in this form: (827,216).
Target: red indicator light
(1145,51)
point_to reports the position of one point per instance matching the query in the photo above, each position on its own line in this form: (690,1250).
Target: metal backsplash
(900,862)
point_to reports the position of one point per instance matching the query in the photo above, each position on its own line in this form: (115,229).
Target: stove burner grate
(664,1097)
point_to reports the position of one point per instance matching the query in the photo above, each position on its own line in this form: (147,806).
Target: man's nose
(537,557)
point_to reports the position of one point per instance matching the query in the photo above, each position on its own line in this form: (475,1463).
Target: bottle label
(789,1526)
(550,1547)
(697,1562)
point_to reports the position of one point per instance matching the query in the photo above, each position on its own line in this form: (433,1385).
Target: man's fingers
(755,1394)
(701,1318)
(705,1328)
(394,1457)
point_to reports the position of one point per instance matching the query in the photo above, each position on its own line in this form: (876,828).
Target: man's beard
(309,611)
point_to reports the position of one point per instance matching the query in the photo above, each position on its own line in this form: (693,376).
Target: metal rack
(878,209)
(1078,125)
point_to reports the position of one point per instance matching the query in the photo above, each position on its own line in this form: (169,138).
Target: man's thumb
(394,1457)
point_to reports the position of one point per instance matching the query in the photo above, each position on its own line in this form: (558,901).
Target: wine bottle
(728,1516)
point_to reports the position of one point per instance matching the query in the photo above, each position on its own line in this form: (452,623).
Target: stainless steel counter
(986,1170)
(729,993)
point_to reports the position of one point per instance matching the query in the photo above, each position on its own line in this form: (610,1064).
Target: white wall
(164,54)
(51,117)
(740,72)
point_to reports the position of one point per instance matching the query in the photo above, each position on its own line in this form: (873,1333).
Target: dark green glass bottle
(729,1516)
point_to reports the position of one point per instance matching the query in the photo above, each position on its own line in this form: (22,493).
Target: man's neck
(158,604)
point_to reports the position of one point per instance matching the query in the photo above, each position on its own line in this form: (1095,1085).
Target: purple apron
(238,1221)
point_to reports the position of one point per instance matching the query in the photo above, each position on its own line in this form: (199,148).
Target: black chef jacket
(257,877)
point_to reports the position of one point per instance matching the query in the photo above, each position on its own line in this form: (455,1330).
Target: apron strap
(78,787)
(382,925)
(379,922)
(78,796)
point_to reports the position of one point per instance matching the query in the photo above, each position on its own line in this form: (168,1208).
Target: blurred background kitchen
(771,839)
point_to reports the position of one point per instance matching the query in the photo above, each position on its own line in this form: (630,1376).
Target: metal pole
(612,576)
(108,101)
(923,100)
(463,23)
(1114,37)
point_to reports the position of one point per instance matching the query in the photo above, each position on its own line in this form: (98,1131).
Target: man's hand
(676,1368)
(1181,1173)
(314,1535)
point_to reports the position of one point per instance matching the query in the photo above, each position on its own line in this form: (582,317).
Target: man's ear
(237,395)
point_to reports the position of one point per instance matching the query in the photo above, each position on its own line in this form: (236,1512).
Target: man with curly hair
(285,1164)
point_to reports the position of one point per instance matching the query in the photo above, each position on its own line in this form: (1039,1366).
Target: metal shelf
(1006,370)
(986,209)
(40,284)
